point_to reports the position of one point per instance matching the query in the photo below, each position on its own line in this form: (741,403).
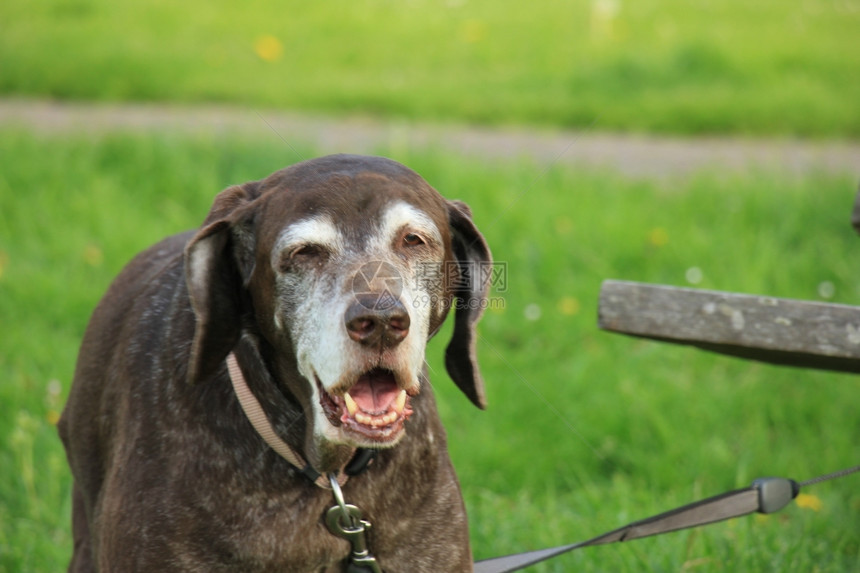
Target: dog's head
(344,266)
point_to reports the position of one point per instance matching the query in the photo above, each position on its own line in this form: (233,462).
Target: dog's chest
(266,531)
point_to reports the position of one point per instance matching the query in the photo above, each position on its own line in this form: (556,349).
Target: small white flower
(694,275)
(826,289)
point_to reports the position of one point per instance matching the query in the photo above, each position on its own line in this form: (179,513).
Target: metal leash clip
(345,520)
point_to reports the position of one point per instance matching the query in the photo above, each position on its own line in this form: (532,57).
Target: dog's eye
(302,256)
(307,251)
(412,240)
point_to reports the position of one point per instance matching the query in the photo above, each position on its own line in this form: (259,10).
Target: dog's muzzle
(374,406)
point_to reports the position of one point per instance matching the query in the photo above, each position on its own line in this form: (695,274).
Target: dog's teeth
(400,402)
(373,420)
(351,406)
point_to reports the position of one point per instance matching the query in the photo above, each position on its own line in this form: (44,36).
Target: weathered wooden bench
(776,330)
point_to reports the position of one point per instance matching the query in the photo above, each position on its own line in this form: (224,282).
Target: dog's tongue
(375,391)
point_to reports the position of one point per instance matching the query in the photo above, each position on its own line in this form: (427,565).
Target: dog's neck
(283,409)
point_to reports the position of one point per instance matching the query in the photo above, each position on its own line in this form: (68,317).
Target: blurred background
(694,143)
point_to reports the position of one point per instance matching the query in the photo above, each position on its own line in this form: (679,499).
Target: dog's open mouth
(374,406)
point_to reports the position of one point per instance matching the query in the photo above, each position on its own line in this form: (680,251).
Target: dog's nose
(372,321)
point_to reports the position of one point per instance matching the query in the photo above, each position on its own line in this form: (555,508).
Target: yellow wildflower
(808,501)
(568,306)
(658,237)
(93,255)
(269,48)
(473,31)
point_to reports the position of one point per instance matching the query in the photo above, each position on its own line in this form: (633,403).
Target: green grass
(586,431)
(766,67)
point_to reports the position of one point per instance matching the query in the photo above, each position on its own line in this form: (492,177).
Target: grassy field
(586,431)
(769,67)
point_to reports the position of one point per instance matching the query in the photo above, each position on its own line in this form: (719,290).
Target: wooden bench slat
(855,213)
(776,330)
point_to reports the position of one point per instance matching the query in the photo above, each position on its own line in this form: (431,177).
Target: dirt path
(637,156)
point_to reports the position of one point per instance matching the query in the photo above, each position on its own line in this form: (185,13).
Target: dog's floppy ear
(470,288)
(218,261)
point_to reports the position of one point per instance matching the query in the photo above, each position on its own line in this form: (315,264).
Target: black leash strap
(766,495)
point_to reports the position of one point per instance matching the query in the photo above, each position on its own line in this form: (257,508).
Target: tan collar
(254,412)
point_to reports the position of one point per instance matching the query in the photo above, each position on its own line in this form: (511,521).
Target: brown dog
(325,281)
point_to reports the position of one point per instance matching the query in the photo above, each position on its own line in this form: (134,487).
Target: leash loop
(775,493)
(345,520)
(341,504)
